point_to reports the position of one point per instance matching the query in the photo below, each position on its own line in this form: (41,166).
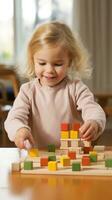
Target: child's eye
(58,64)
(42,63)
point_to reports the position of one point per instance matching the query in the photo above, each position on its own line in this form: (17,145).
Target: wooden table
(16,186)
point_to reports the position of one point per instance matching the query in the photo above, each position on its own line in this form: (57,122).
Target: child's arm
(24,139)
(18,116)
(92,114)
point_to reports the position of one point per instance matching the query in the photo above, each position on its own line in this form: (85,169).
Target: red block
(72,155)
(75,126)
(85,160)
(64,127)
(44,161)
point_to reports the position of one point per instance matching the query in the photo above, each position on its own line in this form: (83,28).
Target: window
(19,17)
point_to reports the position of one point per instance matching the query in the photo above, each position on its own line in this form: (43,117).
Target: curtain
(95,28)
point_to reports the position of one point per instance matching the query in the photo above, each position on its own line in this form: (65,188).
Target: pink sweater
(42,109)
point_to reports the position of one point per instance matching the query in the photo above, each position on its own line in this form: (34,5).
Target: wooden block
(76,126)
(64,134)
(16,166)
(51,158)
(76,166)
(52,165)
(74,134)
(65,161)
(87,149)
(75,143)
(99,148)
(86,143)
(85,160)
(65,126)
(33,152)
(72,155)
(64,144)
(28,165)
(108,163)
(93,156)
(51,147)
(43,161)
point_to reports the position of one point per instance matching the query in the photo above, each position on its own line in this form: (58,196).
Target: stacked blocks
(86,161)
(65,161)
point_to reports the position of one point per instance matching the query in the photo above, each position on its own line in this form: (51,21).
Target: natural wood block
(16,166)
(64,144)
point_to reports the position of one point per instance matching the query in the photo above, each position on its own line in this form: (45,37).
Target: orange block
(76,126)
(85,160)
(44,161)
(64,126)
(72,155)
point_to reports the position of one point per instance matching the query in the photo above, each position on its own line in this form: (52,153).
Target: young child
(51,97)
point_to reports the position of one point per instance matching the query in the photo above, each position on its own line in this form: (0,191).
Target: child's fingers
(83,129)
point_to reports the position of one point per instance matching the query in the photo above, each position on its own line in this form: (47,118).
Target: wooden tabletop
(16,186)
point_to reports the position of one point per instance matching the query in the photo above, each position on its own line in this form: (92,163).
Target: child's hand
(89,130)
(22,136)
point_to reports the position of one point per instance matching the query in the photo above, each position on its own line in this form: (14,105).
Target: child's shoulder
(29,86)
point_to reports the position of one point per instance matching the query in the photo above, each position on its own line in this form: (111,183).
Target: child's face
(51,64)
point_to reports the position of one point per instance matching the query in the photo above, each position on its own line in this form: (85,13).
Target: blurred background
(92,19)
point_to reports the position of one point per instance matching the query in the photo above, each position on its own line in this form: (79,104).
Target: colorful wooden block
(74,134)
(65,161)
(108,163)
(52,165)
(43,161)
(51,147)
(93,156)
(33,152)
(51,158)
(86,143)
(85,161)
(75,143)
(87,149)
(65,126)
(64,134)
(76,166)
(16,166)
(72,155)
(28,165)
(76,126)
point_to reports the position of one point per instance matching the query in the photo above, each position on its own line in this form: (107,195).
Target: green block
(76,166)
(51,147)
(51,153)
(51,158)
(108,163)
(93,158)
(28,165)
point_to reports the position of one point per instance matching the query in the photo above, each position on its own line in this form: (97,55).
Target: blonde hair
(53,33)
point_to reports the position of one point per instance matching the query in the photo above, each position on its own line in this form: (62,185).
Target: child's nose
(49,68)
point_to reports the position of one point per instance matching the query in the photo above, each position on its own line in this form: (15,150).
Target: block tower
(70,138)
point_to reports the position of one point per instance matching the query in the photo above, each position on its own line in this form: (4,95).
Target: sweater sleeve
(18,116)
(90,109)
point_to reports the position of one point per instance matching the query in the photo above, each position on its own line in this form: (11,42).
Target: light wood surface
(33,187)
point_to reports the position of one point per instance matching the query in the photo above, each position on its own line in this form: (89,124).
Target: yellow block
(74,134)
(64,134)
(33,152)
(92,153)
(65,161)
(52,165)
